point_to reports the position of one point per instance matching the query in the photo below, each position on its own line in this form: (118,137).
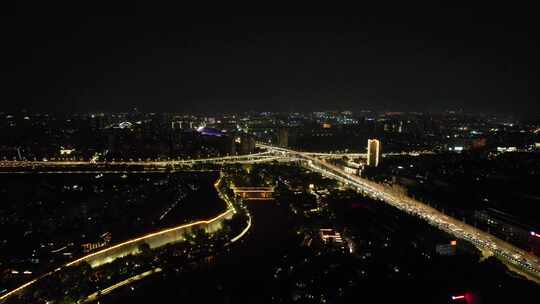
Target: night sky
(79,59)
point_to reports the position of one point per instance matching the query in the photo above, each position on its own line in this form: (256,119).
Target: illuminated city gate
(254,193)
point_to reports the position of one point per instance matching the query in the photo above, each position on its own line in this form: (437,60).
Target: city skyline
(160,153)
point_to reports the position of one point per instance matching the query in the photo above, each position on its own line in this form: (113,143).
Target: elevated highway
(524,262)
(36,164)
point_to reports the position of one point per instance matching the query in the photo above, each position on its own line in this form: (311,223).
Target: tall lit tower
(373,152)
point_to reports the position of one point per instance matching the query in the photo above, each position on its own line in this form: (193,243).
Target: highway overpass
(524,262)
(37,164)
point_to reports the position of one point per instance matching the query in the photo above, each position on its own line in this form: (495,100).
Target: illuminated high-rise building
(373,152)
